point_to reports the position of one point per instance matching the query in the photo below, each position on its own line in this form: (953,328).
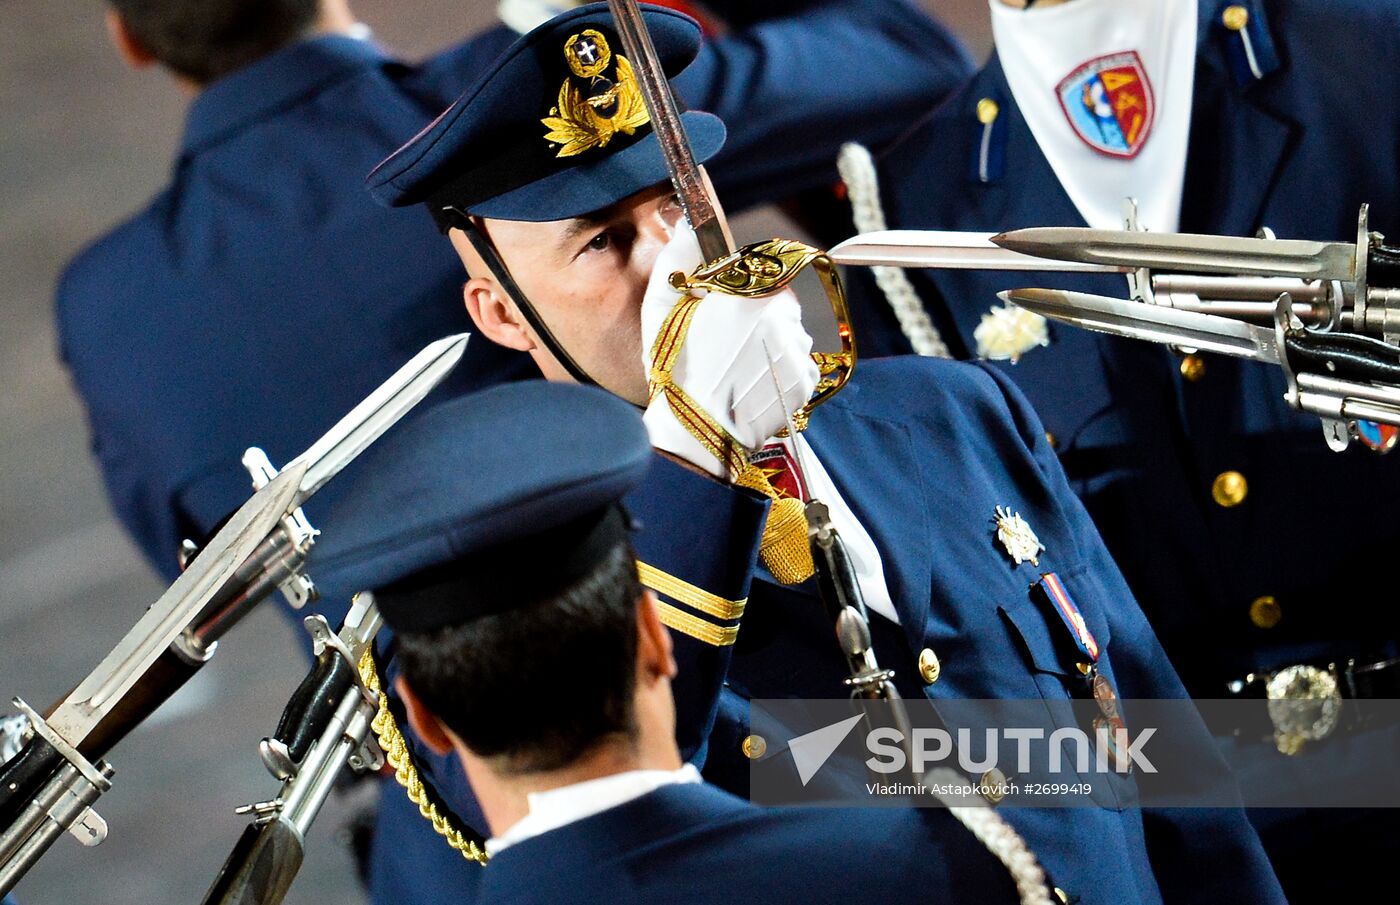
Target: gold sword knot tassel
(784,547)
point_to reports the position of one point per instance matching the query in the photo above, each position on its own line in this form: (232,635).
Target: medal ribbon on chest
(1070,615)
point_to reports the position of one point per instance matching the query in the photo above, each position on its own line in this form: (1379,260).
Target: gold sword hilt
(763,268)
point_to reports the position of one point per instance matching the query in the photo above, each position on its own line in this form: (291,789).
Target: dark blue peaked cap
(486,503)
(493,154)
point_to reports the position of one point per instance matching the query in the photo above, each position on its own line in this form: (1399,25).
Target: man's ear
(655,653)
(495,315)
(131,50)
(428,726)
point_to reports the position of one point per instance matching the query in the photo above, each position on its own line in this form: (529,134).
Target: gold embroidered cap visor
(555,129)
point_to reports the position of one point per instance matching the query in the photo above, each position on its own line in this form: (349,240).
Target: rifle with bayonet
(1326,313)
(50,785)
(324,729)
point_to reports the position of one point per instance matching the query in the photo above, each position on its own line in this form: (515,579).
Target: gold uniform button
(929,667)
(1229,488)
(1265,612)
(1193,367)
(987,111)
(1235,17)
(754,747)
(993,786)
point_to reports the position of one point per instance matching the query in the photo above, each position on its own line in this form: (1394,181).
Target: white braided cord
(857,170)
(998,837)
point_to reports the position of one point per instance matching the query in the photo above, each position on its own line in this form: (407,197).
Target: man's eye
(600,242)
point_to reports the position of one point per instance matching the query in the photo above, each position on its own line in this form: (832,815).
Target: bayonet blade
(378,412)
(97,694)
(1186,252)
(948,250)
(217,564)
(1154,323)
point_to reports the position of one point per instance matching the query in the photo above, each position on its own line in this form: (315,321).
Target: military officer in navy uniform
(496,565)
(938,475)
(1251,546)
(261,294)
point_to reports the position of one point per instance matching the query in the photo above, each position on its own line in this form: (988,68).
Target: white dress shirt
(560,807)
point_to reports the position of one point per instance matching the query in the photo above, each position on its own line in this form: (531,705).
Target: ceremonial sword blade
(97,694)
(216,565)
(1187,252)
(700,208)
(791,427)
(948,250)
(1154,323)
(378,412)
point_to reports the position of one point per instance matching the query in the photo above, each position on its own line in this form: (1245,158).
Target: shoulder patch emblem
(1378,437)
(1109,103)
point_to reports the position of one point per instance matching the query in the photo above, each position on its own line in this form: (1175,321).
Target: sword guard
(763,268)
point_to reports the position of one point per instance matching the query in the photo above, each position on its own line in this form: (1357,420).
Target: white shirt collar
(560,807)
(1088,125)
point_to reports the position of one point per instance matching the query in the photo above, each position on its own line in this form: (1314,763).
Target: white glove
(723,365)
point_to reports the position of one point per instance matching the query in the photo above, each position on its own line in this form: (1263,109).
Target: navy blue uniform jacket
(1299,149)
(695,844)
(263,293)
(924,451)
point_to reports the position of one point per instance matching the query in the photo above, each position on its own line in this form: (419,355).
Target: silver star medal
(1017,537)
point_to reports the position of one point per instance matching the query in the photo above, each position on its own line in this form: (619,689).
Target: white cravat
(1051,57)
(865,556)
(560,807)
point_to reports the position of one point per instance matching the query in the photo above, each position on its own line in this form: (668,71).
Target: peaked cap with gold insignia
(555,129)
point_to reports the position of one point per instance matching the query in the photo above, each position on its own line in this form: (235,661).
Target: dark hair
(207,39)
(540,686)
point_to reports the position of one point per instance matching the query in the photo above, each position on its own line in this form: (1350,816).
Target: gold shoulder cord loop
(751,272)
(396,753)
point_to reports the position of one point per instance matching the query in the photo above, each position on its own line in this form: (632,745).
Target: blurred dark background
(85,142)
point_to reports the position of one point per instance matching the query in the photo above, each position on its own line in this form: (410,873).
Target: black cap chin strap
(482,243)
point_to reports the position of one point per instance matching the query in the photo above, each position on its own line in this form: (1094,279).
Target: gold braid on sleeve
(396,753)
